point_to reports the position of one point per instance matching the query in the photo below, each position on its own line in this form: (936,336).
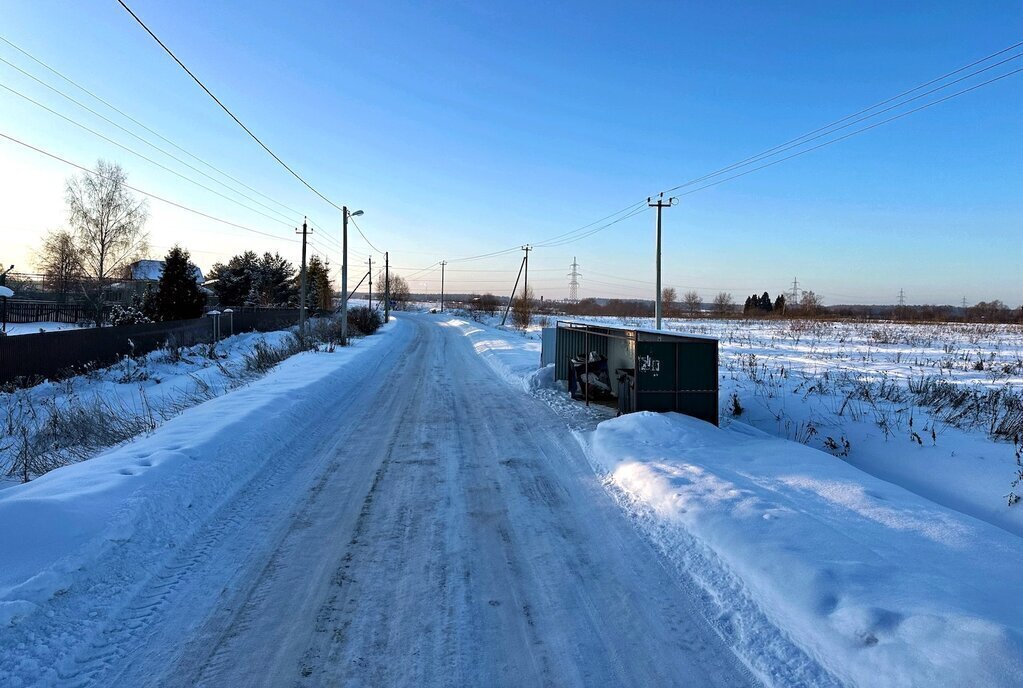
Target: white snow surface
(882,586)
(37,327)
(879,584)
(388,514)
(154,490)
(400,513)
(825,383)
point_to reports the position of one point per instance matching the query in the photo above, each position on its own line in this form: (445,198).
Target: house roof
(152,269)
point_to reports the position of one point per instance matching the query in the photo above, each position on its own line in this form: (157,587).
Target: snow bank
(825,383)
(129,504)
(881,586)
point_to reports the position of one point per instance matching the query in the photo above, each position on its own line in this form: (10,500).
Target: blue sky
(465,128)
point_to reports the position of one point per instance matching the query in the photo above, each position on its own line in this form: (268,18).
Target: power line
(595,230)
(364,238)
(579,229)
(427,268)
(135,121)
(224,107)
(146,193)
(575,235)
(486,255)
(140,155)
(855,132)
(806,137)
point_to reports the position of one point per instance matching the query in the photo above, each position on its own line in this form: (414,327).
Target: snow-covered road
(435,526)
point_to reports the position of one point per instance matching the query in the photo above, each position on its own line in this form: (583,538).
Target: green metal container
(672,371)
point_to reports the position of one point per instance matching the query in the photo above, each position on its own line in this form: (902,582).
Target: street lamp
(345,214)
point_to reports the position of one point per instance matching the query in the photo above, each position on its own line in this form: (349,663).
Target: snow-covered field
(351,514)
(391,514)
(887,580)
(932,407)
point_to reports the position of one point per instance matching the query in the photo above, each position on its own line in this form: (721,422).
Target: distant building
(150,271)
(138,278)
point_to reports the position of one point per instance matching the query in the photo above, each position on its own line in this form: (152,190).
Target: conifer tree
(178,296)
(779,304)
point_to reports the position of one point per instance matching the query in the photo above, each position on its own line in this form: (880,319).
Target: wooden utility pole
(442,264)
(387,287)
(302,282)
(525,277)
(371,282)
(511,299)
(660,204)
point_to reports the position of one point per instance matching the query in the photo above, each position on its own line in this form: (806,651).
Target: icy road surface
(440,528)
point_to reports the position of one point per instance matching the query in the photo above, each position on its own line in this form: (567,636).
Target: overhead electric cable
(857,131)
(364,238)
(224,107)
(140,155)
(138,123)
(576,235)
(146,193)
(848,122)
(136,136)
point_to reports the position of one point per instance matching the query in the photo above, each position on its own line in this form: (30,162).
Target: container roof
(645,334)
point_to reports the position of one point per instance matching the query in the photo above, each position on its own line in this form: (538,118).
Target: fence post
(230,320)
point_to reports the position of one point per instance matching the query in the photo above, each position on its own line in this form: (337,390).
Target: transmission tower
(794,294)
(573,285)
(902,298)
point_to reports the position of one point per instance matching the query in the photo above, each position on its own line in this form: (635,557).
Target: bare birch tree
(108,220)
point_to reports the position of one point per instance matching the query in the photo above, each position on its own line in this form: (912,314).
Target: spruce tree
(319,294)
(765,302)
(178,296)
(233,283)
(276,281)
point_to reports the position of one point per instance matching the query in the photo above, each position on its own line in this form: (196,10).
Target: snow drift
(881,586)
(128,505)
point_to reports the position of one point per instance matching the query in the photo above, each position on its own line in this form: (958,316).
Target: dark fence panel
(260,320)
(50,311)
(60,354)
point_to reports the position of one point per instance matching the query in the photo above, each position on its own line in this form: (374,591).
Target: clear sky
(462,128)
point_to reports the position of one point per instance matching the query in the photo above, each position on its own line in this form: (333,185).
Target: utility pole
(512,297)
(660,204)
(345,214)
(370,282)
(573,286)
(525,278)
(302,287)
(442,264)
(387,287)
(344,276)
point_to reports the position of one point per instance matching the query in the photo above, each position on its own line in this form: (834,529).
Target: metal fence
(51,311)
(61,354)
